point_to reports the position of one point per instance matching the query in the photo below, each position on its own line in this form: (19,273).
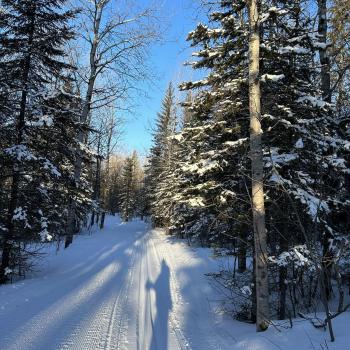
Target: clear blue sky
(167,58)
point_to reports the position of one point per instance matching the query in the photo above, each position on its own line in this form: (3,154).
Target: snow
(44,234)
(316,102)
(293,49)
(19,214)
(278,159)
(43,120)
(272,10)
(52,168)
(298,255)
(272,77)
(246,290)
(20,152)
(236,143)
(320,45)
(128,287)
(196,202)
(202,167)
(314,204)
(299,144)
(276,178)
(8,271)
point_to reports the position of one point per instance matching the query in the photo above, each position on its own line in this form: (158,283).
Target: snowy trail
(129,288)
(110,290)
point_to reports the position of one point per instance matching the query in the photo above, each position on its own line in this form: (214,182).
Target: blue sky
(167,58)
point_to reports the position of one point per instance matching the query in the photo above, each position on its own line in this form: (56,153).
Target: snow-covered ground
(128,287)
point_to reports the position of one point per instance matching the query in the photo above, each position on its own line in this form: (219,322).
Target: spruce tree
(32,39)
(130,187)
(160,161)
(305,154)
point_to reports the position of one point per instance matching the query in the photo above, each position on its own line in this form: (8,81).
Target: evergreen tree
(161,161)
(130,187)
(32,38)
(306,157)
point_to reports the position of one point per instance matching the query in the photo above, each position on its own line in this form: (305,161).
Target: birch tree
(257,165)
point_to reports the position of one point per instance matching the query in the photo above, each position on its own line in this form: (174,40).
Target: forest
(250,154)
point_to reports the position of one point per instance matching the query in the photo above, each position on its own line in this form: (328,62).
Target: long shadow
(163,304)
(59,293)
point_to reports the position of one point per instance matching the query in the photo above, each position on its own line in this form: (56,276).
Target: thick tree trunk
(323,52)
(92,222)
(283,292)
(256,155)
(84,118)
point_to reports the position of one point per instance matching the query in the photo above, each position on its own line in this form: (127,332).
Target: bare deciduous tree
(115,37)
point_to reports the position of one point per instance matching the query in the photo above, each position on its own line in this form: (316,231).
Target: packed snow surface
(129,287)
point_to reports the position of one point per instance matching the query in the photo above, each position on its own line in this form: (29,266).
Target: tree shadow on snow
(163,306)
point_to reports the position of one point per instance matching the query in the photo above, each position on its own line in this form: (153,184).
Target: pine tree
(130,187)
(160,161)
(31,50)
(303,147)
(305,155)
(214,176)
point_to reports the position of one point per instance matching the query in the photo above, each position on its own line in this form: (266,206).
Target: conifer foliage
(38,124)
(258,168)
(161,162)
(303,149)
(131,186)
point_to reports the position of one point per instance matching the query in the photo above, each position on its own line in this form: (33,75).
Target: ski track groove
(138,306)
(144,303)
(118,316)
(107,330)
(115,313)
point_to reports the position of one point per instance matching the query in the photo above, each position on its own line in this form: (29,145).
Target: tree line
(258,167)
(67,72)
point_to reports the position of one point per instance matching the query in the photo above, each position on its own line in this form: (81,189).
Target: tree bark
(256,155)
(103,215)
(323,52)
(242,253)
(84,118)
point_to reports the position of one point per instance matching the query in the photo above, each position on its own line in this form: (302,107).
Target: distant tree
(131,184)
(160,159)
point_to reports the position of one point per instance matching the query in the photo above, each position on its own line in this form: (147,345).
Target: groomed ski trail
(120,288)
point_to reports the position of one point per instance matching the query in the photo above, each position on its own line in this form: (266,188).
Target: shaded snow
(128,287)
(272,77)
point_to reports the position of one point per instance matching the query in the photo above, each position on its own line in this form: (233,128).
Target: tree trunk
(102,220)
(256,155)
(82,137)
(282,271)
(242,253)
(92,222)
(323,52)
